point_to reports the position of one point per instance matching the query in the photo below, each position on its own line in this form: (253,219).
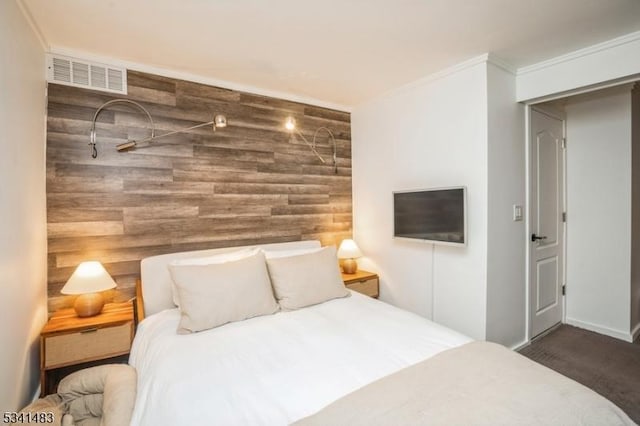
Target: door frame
(559,115)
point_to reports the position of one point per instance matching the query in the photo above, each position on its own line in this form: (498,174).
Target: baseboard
(621,335)
(520,345)
(36,395)
(635,332)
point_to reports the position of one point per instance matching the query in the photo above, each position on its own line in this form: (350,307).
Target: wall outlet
(517,213)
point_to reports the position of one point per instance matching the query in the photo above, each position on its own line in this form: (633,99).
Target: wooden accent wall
(248,183)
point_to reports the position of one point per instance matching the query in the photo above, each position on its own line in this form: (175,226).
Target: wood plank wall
(248,183)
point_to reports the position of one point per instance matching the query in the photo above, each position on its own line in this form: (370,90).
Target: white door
(546,222)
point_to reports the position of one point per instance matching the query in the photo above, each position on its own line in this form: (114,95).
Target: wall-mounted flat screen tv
(436,215)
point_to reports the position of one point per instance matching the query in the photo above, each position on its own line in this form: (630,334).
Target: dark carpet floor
(609,366)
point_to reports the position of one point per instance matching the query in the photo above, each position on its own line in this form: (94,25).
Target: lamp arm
(312,146)
(92,142)
(133,143)
(335,147)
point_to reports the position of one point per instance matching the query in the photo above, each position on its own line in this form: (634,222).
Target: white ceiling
(342,52)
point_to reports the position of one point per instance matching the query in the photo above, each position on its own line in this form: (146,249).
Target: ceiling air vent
(82,73)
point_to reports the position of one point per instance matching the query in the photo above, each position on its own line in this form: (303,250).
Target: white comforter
(275,369)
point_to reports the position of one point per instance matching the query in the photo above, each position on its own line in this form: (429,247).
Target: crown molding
(490,58)
(33,24)
(196,78)
(628,38)
(469,63)
(501,63)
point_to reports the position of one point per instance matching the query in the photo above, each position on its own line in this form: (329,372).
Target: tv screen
(436,215)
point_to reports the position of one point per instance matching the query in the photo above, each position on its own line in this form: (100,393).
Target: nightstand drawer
(87,345)
(368,287)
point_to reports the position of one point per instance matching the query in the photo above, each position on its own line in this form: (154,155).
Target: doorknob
(535,237)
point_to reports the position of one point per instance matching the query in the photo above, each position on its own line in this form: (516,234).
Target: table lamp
(88,280)
(349,251)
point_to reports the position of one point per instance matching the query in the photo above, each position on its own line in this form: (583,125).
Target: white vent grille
(115,80)
(61,70)
(82,73)
(98,77)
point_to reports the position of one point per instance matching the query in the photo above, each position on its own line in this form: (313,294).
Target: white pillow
(215,294)
(211,260)
(274,254)
(218,258)
(306,279)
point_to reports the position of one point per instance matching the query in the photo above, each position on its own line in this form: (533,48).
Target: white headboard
(156,279)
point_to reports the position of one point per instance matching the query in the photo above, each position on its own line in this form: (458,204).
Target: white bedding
(275,369)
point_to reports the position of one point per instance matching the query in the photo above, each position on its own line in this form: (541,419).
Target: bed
(336,362)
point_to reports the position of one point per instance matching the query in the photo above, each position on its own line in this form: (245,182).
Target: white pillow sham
(274,254)
(215,294)
(306,279)
(211,260)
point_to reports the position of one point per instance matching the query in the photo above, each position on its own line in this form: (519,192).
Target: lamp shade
(89,277)
(349,250)
(219,121)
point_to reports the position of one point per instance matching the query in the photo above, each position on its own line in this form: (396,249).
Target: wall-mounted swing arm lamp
(218,121)
(92,142)
(290,125)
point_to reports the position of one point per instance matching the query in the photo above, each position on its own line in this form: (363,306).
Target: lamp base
(349,266)
(88,305)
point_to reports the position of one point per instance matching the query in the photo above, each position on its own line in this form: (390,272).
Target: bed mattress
(275,369)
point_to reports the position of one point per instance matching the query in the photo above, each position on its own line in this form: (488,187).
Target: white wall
(635,219)
(23,234)
(432,133)
(599,211)
(454,128)
(506,285)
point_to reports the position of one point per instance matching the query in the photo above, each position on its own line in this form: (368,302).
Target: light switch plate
(517,213)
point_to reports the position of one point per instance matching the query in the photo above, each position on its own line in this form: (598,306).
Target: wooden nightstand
(363,282)
(69,343)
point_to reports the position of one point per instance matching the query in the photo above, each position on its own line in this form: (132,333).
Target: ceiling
(340,52)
